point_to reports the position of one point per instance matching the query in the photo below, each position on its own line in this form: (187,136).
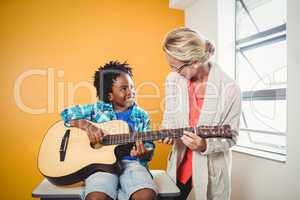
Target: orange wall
(66,41)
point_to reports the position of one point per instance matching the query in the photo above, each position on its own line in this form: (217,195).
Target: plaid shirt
(102,112)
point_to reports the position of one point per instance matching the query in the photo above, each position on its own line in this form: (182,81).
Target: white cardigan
(222,105)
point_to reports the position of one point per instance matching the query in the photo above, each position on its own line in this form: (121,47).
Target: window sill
(261,154)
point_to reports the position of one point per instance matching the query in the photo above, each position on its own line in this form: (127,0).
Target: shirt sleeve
(77,112)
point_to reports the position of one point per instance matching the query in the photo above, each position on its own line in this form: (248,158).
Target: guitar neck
(202,131)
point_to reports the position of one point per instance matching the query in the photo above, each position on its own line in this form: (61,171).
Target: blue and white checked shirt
(100,112)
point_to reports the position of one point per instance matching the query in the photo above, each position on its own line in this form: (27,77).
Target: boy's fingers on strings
(166,140)
(97,138)
(91,137)
(96,133)
(133,151)
(138,147)
(143,149)
(99,135)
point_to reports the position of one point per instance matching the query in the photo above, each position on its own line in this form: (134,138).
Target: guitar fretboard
(204,132)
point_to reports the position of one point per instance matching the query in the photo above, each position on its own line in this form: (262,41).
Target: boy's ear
(110,97)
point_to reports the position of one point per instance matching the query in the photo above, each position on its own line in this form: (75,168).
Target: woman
(198,93)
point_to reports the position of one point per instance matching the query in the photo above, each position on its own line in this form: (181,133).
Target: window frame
(266,37)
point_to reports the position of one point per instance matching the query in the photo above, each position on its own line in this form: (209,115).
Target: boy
(116,94)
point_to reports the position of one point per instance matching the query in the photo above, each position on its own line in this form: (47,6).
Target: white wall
(196,12)
(256,178)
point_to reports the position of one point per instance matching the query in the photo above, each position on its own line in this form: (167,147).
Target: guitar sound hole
(95,145)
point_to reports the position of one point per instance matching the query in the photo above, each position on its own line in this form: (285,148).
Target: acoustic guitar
(66,155)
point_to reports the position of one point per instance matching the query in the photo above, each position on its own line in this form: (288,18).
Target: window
(261,71)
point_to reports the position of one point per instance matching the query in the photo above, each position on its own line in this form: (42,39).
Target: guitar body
(80,160)
(67,157)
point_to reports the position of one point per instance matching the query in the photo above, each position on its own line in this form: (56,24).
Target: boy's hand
(94,133)
(139,150)
(167,140)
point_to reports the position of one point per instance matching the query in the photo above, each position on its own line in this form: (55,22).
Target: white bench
(167,189)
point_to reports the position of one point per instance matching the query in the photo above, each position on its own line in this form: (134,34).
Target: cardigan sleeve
(231,116)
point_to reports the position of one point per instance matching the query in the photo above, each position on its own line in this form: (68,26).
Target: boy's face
(123,93)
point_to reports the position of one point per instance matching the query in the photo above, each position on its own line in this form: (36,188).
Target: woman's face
(187,70)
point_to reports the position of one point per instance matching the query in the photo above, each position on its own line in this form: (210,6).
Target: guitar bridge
(64,145)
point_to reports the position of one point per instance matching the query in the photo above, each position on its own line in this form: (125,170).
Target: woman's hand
(193,141)
(94,133)
(139,150)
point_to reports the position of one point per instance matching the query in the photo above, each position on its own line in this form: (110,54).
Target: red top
(184,172)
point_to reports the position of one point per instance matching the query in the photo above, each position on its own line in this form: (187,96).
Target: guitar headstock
(223,131)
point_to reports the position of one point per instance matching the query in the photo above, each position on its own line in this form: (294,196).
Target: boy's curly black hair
(106,75)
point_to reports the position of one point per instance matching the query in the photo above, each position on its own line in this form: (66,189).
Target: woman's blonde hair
(186,45)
